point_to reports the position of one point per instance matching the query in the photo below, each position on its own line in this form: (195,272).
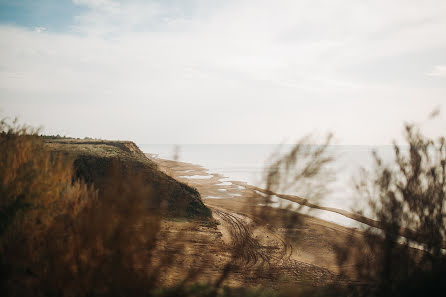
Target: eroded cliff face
(121,168)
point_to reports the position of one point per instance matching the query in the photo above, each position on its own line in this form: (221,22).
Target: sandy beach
(289,245)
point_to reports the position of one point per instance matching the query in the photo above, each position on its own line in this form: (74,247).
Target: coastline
(214,186)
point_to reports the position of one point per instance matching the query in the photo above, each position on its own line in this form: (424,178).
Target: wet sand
(216,186)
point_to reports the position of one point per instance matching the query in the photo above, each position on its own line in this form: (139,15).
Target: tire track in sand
(247,249)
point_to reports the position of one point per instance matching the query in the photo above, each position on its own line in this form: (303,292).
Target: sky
(233,71)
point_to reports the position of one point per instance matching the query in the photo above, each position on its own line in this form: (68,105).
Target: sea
(247,163)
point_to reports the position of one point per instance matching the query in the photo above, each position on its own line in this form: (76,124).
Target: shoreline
(215,186)
(217,190)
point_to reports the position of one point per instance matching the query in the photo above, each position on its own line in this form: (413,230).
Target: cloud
(225,71)
(439,70)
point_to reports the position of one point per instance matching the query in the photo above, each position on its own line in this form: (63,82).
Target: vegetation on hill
(100,162)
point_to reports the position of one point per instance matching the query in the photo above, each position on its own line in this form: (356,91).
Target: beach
(213,186)
(306,249)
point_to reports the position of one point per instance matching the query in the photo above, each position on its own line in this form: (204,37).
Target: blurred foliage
(207,290)
(406,256)
(60,237)
(304,169)
(37,190)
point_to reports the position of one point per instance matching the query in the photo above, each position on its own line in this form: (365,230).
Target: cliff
(121,164)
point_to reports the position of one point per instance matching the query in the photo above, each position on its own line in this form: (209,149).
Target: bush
(36,190)
(58,237)
(408,199)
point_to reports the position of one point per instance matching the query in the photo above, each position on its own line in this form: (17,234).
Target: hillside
(108,163)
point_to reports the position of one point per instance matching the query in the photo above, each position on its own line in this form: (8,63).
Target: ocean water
(247,162)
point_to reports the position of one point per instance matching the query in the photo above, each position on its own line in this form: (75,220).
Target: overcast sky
(201,71)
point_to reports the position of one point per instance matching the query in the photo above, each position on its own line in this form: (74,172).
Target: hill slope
(106,163)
